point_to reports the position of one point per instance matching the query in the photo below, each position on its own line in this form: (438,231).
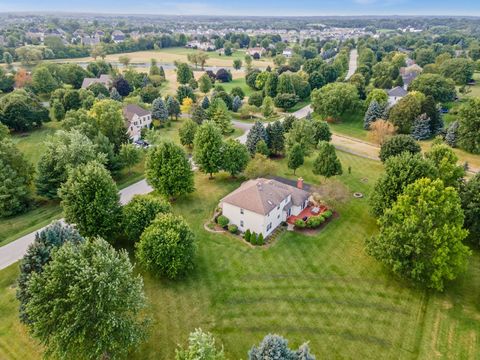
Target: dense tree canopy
(439,87)
(470,197)
(87,302)
(334,100)
(421,234)
(168,170)
(167,247)
(468,132)
(397,144)
(90,200)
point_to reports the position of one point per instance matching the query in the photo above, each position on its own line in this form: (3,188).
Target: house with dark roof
(261,205)
(395,94)
(118,36)
(136,118)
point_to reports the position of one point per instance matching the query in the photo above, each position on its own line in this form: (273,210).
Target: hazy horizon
(251,8)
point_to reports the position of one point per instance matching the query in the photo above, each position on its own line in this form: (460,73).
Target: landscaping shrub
(260,240)
(299,223)
(247,236)
(223,221)
(327,214)
(233,228)
(253,238)
(315,221)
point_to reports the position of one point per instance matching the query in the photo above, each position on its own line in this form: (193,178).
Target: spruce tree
(114,95)
(205,103)
(421,128)
(256,133)
(159,110)
(220,115)
(199,115)
(237,103)
(327,163)
(275,137)
(173,107)
(451,137)
(374,112)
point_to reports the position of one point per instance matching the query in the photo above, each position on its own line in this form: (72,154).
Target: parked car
(141,143)
(444,110)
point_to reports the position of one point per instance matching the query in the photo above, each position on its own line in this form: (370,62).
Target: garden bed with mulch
(315,231)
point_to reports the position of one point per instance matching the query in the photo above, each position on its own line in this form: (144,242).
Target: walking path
(15,250)
(352,64)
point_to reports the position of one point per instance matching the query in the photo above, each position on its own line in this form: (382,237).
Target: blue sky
(251,7)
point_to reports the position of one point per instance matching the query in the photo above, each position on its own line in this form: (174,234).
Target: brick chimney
(300,183)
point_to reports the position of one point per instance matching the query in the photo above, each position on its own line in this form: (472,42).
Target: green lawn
(350,125)
(240,82)
(32,143)
(238,54)
(322,289)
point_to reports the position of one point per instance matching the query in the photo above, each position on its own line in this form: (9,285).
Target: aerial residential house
(261,205)
(118,36)
(135,35)
(205,46)
(395,94)
(136,118)
(288,52)
(103,79)
(256,52)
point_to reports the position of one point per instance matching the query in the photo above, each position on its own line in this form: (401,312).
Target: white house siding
(253,221)
(258,223)
(136,125)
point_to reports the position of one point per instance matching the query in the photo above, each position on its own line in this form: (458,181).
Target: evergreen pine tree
(220,116)
(199,115)
(159,110)
(256,133)
(295,157)
(275,137)
(173,107)
(327,163)
(421,128)
(374,112)
(237,103)
(205,103)
(114,95)
(451,137)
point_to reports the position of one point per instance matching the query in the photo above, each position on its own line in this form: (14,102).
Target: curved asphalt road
(15,250)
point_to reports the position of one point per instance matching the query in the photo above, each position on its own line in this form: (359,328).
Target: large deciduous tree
(168,170)
(140,212)
(400,171)
(445,161)
(334,100)
(405,111)
(468,133)
(437,86)
(207,148)
(109,120)
(295,157)
(87,302)
(167,247)
(398,144)
(470,196)
(16,175)
(90,200)
(235,157)
(421,235)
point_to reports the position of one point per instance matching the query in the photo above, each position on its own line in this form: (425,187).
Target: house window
(269,226)
(278,207)
(278,216)
(241,223)
(241,211)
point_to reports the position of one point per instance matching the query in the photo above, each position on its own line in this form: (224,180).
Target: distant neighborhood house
(103,79)
(136,118)
(261,205)
(256,52)
(118,36)
(287,53)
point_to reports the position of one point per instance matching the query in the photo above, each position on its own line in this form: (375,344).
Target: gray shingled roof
(397,92)
(131,109)
(263,195)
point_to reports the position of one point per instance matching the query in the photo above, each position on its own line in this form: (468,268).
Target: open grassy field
(321,288)
(170,55)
